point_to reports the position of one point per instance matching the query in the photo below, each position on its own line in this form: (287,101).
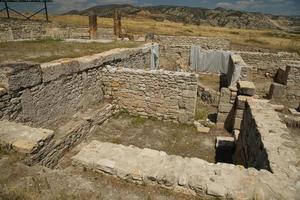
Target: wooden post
(117,24)
(6,8)
(93,26)
(46,11)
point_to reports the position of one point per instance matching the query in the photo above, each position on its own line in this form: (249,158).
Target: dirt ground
(20,182)
(174,139)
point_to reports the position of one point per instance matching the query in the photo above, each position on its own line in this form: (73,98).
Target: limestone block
(236,134)
(216,189)
(55,69)
(294,112)
(241,102)
(22,138)
(239,113)
(225,107)
(237,123)
(201,128)
(246,88)
(16,76)
(225,142)
(277,91)
(225,95)
(2,91)
(221,118)
(278,108)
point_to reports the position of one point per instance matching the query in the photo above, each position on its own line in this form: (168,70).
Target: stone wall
(174,58)
(162,94)
(204,42)
(25,29)
(42,94)
(263,63)
(73,133)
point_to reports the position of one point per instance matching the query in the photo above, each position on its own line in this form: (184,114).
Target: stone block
(294,112)
(225,107)
(237,123)
(225,142)
(225,95)
(2,91)
(239,113)
(17,76)
(55,69)
(278,108)
(246,88)
(277,91)
(221,118)
(241,102)
(201,128)
(236,134)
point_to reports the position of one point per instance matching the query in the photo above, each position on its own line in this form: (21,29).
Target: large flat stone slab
(21,138)
(149,166)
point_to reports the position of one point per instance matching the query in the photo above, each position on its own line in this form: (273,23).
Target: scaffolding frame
(7,8)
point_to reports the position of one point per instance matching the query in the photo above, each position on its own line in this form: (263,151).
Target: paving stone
(246,88)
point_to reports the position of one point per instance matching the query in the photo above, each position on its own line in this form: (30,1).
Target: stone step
(22,138)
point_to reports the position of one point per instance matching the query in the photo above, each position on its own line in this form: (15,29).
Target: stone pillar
(117,24)
(93,26)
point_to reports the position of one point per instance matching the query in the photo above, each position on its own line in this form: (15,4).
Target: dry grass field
(270,39)
(45,50)
(245,39)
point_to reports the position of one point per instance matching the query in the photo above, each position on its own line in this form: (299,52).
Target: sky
(277,7)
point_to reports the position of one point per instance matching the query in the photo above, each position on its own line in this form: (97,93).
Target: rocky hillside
(214,17)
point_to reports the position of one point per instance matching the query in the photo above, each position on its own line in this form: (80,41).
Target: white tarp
(214,61)
(154,56)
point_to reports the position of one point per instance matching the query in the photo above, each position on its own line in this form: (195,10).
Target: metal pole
(7,11)
(46,11)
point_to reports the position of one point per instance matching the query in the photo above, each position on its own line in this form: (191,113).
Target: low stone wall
(42,94)
(204,42)
(15,29)
(162,94)
(74,132)
(261,143)
(267,63)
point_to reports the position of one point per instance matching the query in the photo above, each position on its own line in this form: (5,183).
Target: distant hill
(199,16)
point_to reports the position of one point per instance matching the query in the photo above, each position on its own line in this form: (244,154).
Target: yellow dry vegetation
(271,39)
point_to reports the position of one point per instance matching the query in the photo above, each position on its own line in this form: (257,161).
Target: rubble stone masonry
(157,93)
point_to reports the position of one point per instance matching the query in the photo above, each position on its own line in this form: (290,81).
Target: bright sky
(277,7)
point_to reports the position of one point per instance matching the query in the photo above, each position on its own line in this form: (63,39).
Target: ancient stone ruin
(48,109)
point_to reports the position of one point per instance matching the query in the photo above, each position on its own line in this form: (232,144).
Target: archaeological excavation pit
(134,115)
